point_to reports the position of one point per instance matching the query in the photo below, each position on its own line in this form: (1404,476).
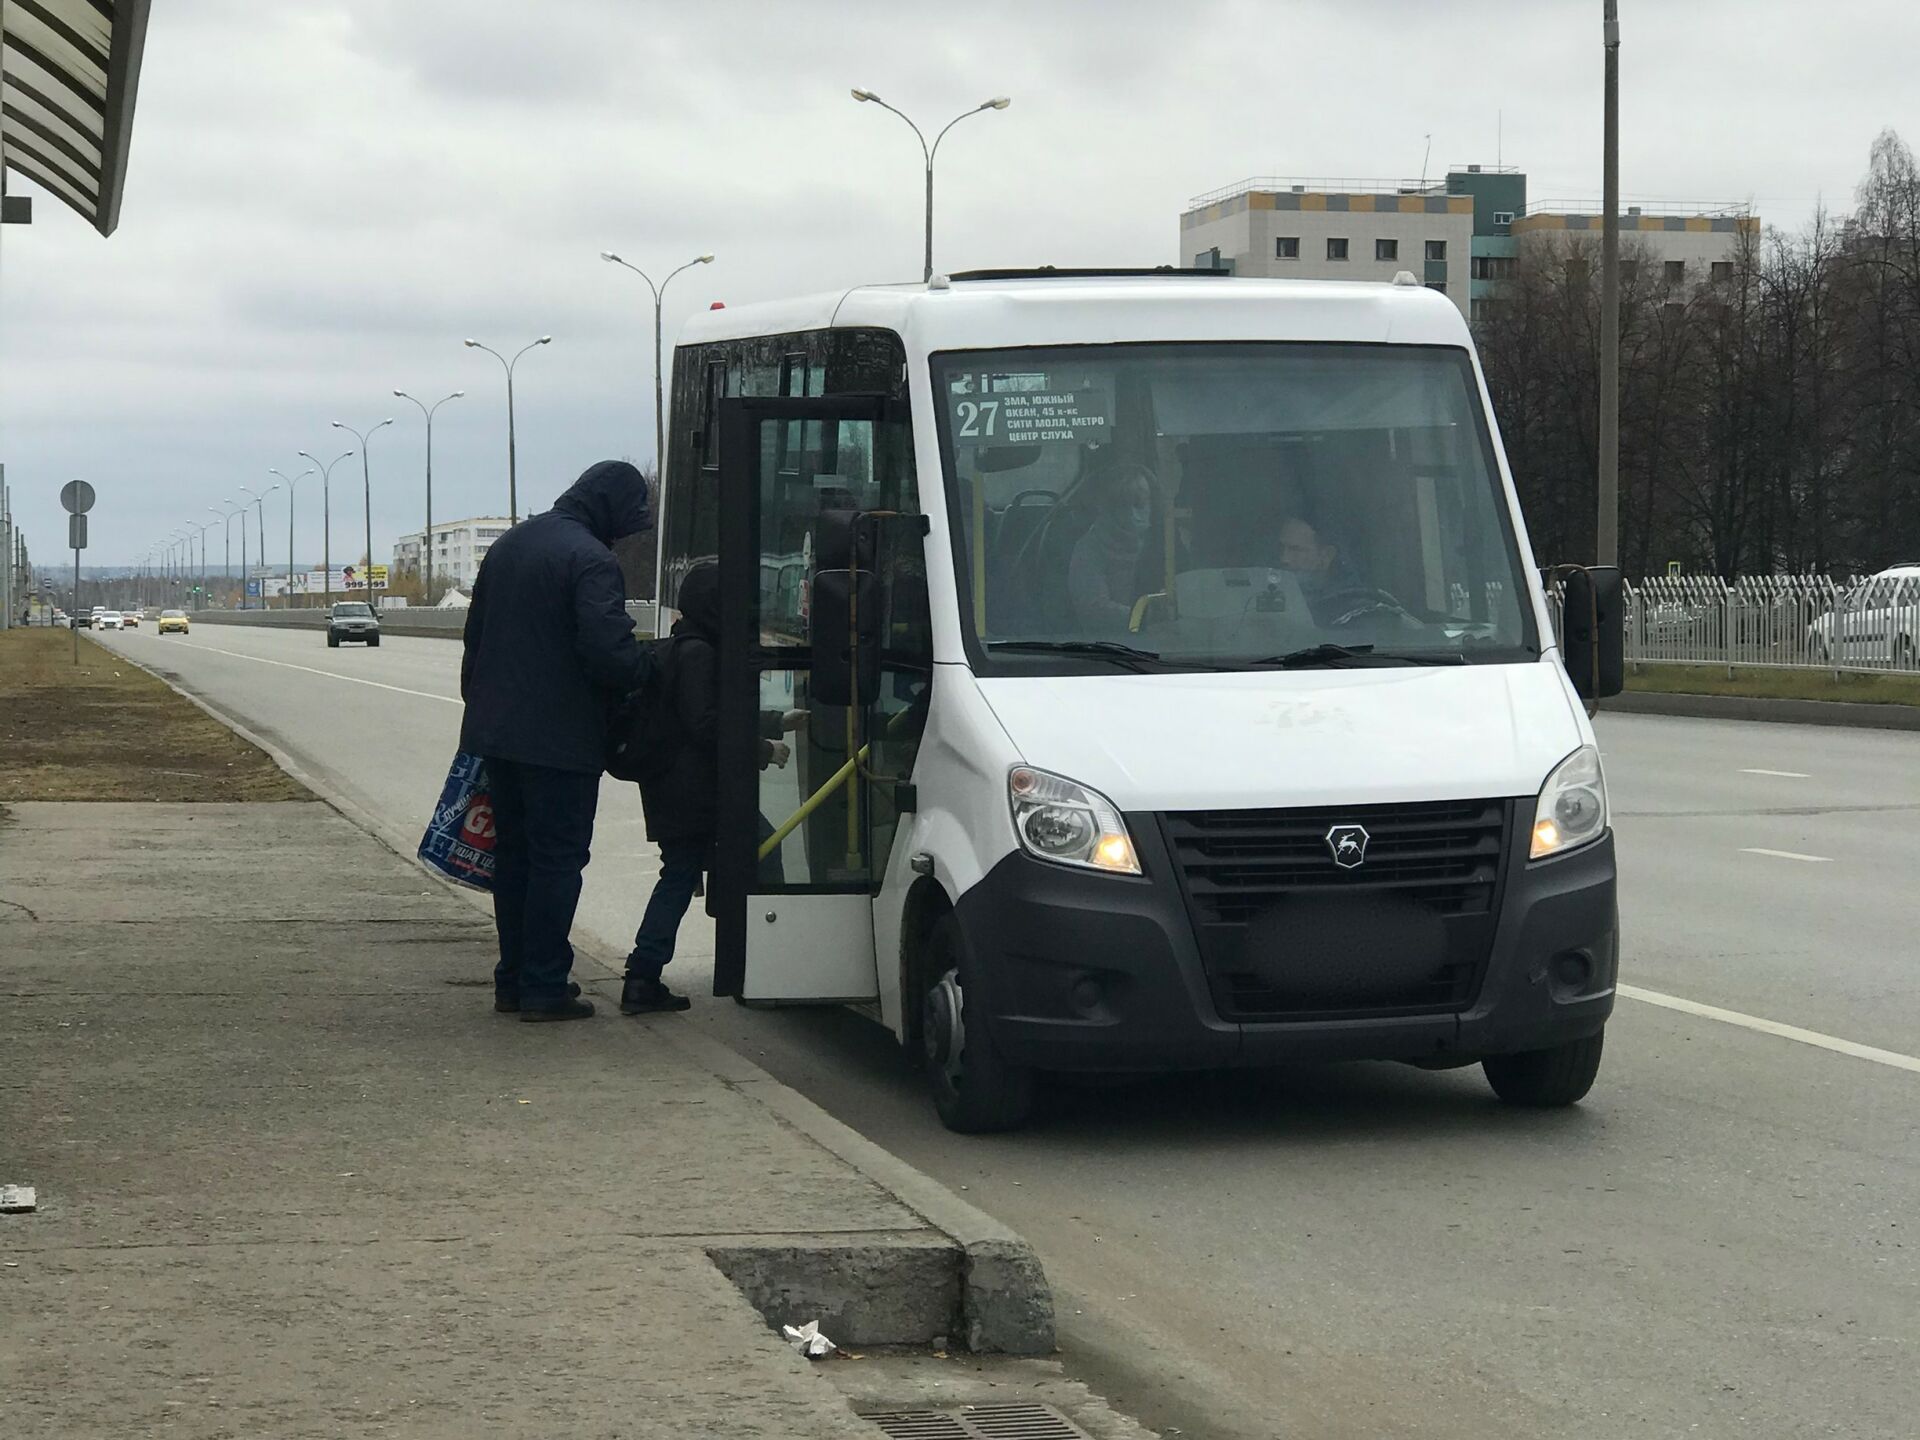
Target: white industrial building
(1460,235)
(458,546)
(1690,245)
(1334,230)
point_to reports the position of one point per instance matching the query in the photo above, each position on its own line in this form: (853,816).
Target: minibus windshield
(1227,506)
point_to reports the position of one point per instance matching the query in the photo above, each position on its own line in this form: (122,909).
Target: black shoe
(510,1004)
(641,996)
(565,1010)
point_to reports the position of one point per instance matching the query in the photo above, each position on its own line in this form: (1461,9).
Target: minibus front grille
(1286,934)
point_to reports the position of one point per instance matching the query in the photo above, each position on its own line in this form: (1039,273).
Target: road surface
(1723,1241)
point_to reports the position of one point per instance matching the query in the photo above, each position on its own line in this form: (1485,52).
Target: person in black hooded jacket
(550,650)
(679,791)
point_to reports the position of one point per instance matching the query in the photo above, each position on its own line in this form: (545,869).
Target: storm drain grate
(981,1422)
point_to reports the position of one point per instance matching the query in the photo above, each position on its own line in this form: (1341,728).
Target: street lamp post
(227,547)
(326,521)
(260,514)
(513,481)
(659,403)
(426,536)
(181,556)
(366,485)
(999,102)
(203,526)
(290,483)
(1608,527)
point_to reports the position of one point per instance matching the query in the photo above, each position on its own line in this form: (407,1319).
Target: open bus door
(810,527)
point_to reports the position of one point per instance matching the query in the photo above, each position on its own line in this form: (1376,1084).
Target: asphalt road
(1724,1240)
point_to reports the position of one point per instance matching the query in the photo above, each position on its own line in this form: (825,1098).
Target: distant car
(83,621)
(1876,622)
(108,620)
(130,619)
(353,620)
(172,621)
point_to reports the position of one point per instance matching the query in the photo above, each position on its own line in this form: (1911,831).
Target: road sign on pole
(76,498)
(77,540)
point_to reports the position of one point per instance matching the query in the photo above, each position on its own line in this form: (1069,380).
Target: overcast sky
(326,196)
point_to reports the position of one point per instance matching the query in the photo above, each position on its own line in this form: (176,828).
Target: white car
(1874,623)
(107,620)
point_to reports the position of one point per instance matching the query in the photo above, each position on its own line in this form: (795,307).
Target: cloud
(325,198)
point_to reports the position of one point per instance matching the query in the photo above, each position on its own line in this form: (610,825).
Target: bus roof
(1079,309)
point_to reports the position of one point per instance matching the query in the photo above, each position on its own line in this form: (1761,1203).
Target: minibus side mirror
(846,661)
(1593,638)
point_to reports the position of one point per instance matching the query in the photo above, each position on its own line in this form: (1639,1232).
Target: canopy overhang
(69,71)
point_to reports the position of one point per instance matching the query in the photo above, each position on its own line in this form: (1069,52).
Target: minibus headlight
(1068,823)
(1572,810)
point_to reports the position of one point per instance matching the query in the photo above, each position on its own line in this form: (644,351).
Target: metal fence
(1805,621)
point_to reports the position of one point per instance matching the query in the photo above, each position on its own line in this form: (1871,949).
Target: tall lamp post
(227,549)
(326,520)
(260,513)
(659,402)
(1608,527)
(513,480)
(366,486)
(426,536)
(290,482)
(187,534)
(203,526)
(999,102)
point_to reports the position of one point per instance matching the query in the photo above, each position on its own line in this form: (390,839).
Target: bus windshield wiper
(1109,649)
(1332,656)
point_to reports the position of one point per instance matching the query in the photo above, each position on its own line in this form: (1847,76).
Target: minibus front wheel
(974,1088)
(1559,1075)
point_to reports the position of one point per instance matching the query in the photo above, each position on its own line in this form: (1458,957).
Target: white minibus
(1180,690)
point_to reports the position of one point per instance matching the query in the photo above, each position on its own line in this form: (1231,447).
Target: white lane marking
(1787,855)
(1773,1027)
(1780,774)
(331,675)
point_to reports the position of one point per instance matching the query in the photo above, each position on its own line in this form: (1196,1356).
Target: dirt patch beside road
(107,730)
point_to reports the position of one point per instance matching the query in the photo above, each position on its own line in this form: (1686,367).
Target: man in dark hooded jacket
(550,650)
(680,787)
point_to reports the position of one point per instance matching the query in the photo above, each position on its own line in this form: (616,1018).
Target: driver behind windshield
(1315,561)
(1102,577)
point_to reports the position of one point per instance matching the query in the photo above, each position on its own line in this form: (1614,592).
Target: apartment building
(458,546)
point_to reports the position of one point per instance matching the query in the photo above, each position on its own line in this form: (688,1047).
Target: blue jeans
(543,833)
(682,862)
(681,865)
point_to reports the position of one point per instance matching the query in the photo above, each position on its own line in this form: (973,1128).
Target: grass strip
(1763,684)
(107,730)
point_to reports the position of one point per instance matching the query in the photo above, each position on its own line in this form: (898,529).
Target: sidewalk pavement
(295,1177)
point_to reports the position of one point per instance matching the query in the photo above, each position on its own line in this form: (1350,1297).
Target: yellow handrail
(812,803)
(980,556)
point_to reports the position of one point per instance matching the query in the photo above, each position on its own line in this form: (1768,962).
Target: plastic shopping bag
(459,839)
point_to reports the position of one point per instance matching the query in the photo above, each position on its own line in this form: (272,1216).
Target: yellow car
(171,620)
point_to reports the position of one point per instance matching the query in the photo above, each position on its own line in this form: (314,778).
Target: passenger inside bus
(1103,576)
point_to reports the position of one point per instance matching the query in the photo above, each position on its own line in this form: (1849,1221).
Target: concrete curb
(1006,1303)
(891,1288)
(1777,712)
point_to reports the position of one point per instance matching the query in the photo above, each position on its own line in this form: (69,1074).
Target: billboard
(306,582)
(358,577)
